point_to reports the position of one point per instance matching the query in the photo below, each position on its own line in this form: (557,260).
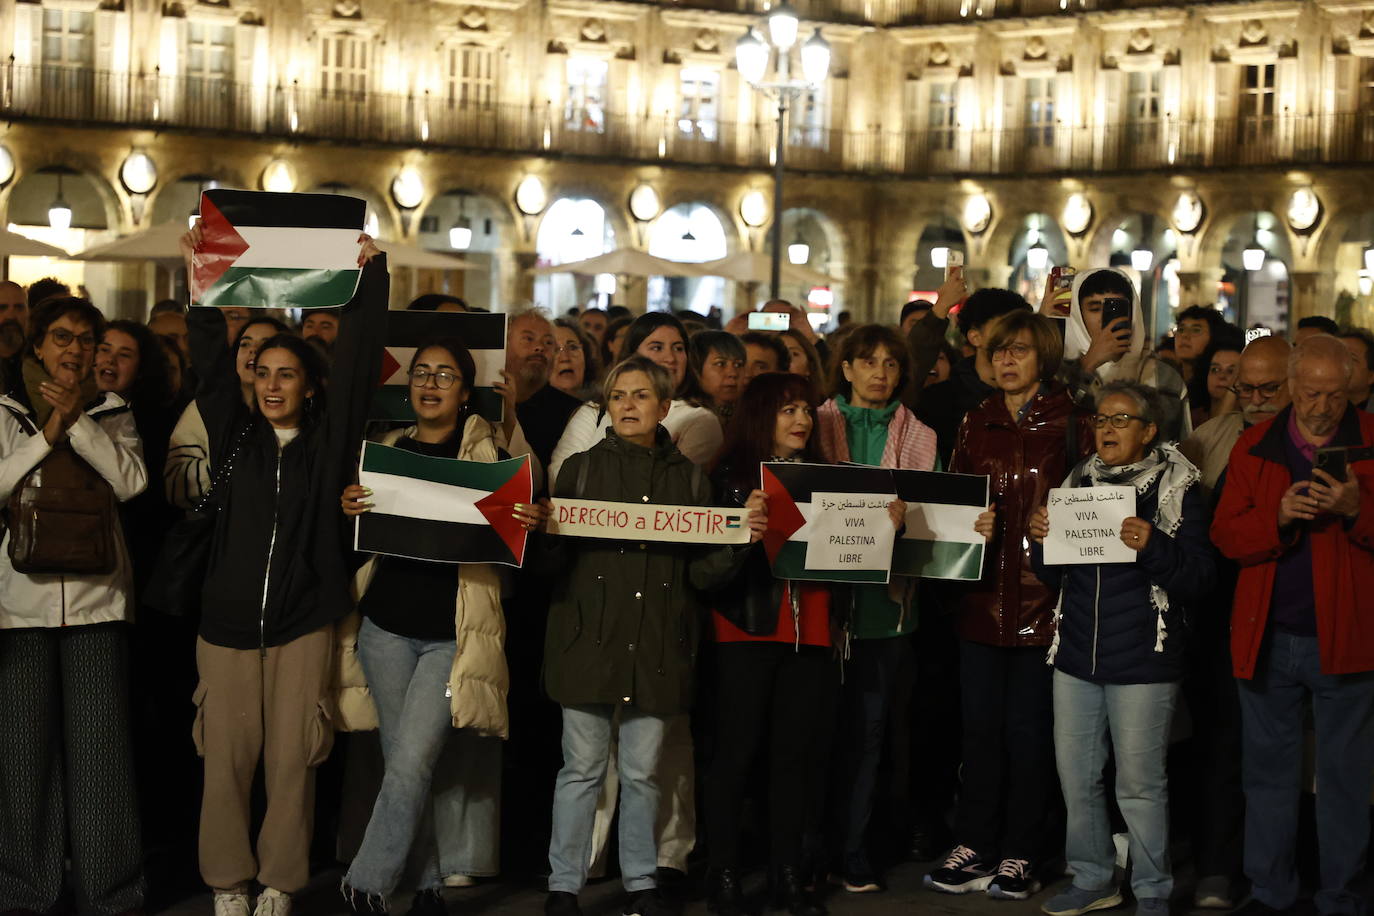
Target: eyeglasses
(571,348)
(1118,420)
(63,338)
(1246,392)
(443,379)
(1018,351)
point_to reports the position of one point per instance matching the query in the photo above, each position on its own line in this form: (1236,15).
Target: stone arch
(494,240)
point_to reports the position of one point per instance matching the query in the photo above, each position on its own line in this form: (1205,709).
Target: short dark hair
(53,308)
(167,306)
(457,349)
(749,434)
(152,387)
(618,311)
(47,288)
(1321,323)
(430,302)
(312,364)
(987,304)
(770,341)
(1049,346)
(915,305)
(1101,282)
(864,342)
(723,342)
(1202,313)
(1365,338)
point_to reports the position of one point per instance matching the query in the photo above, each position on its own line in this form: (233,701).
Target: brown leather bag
(62,518)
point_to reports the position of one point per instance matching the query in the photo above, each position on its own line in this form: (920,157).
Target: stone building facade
(1094,128)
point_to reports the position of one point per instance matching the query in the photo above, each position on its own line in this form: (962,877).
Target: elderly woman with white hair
(1118,652)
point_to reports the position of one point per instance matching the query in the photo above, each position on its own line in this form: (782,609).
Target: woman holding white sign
(1118,649)
(865,422)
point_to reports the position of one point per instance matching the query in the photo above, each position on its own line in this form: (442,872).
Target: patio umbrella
(13,244)
(624,262)
(757,267)
(158,243)
(404,254)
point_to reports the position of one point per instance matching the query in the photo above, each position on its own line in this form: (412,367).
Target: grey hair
(1322,346)
(1149,406)
(532,311)
(659,379)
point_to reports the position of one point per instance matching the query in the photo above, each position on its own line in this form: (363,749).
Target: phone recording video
(1114,308)
(769,321)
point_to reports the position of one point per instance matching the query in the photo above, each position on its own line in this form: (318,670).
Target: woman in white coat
(67,767)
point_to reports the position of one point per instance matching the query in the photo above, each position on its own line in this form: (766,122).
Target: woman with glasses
(1119,653)
(431,644)
(69,806)
(1025,437)
(574,366)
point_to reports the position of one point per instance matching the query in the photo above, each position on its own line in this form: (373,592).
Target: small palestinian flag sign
(789,486)
(442,509)
(483,334)
(264,250)
(939,541)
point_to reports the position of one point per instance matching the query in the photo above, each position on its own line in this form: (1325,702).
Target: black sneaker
(962,872)
(561,903)
(428,903)
(1013,881)
(650,903)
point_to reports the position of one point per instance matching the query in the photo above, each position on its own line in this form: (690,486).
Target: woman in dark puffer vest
(1119,652)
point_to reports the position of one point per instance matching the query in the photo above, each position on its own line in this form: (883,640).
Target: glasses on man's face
(443,379)
(1246,392)
(1017,351)
(63,338)
(1117,420)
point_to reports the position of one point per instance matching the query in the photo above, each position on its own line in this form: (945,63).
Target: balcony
(129,100)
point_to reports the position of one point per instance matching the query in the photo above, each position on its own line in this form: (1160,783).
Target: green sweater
(876,616)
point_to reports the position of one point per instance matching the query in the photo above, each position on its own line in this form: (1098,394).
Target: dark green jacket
(626,615)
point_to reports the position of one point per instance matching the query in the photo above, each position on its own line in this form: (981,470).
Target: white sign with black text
(1085,525)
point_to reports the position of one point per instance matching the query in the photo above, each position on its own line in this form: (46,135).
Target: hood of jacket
(1076,336)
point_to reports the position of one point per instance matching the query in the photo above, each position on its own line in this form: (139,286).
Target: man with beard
(542,409)
(14,322)
(1211,782)
(321,325)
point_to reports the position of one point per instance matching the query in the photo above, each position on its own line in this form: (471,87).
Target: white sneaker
(459,881)
(272,902)
(231,903)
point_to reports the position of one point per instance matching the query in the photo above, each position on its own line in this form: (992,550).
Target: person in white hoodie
(1095,355)
(69,805)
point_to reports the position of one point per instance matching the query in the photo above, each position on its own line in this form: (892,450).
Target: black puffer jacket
(278,563)
(1107,625)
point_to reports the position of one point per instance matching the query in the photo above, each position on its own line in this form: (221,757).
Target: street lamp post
(752,55)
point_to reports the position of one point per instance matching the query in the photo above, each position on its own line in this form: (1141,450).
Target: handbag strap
(221,475)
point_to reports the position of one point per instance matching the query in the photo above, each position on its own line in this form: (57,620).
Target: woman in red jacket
(1025,437)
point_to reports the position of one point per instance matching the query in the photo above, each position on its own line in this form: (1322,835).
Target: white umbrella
(159,243)
(624,262)
(13,244)
(757,267)
(404,254)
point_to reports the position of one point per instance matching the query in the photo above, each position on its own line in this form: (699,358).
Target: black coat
(1107,625)
(278,564)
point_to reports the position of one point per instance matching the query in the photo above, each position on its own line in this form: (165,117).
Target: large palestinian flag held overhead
(939,541)
(483,334)
(791,512)
(442,509)
(264,250)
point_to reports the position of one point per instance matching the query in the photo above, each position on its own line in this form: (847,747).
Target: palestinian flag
(442,509)
(939,541)
(483,334)
(789,486)
(265,250)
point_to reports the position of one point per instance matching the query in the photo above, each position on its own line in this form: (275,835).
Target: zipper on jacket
(1097,596)
(271,546)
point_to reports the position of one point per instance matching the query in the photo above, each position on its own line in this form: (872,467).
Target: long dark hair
(312,364)
(281,327)
(749,435)
(462,359)
(152,386)
(1225,336)
(647,324)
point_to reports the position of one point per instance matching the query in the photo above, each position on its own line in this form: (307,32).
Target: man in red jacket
(1303,626)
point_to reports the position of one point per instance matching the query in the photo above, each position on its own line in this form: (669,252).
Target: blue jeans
(408,679)
(1137,718)
(1271,708)
(586,749)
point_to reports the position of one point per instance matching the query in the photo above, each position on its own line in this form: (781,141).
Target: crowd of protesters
(493,720)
